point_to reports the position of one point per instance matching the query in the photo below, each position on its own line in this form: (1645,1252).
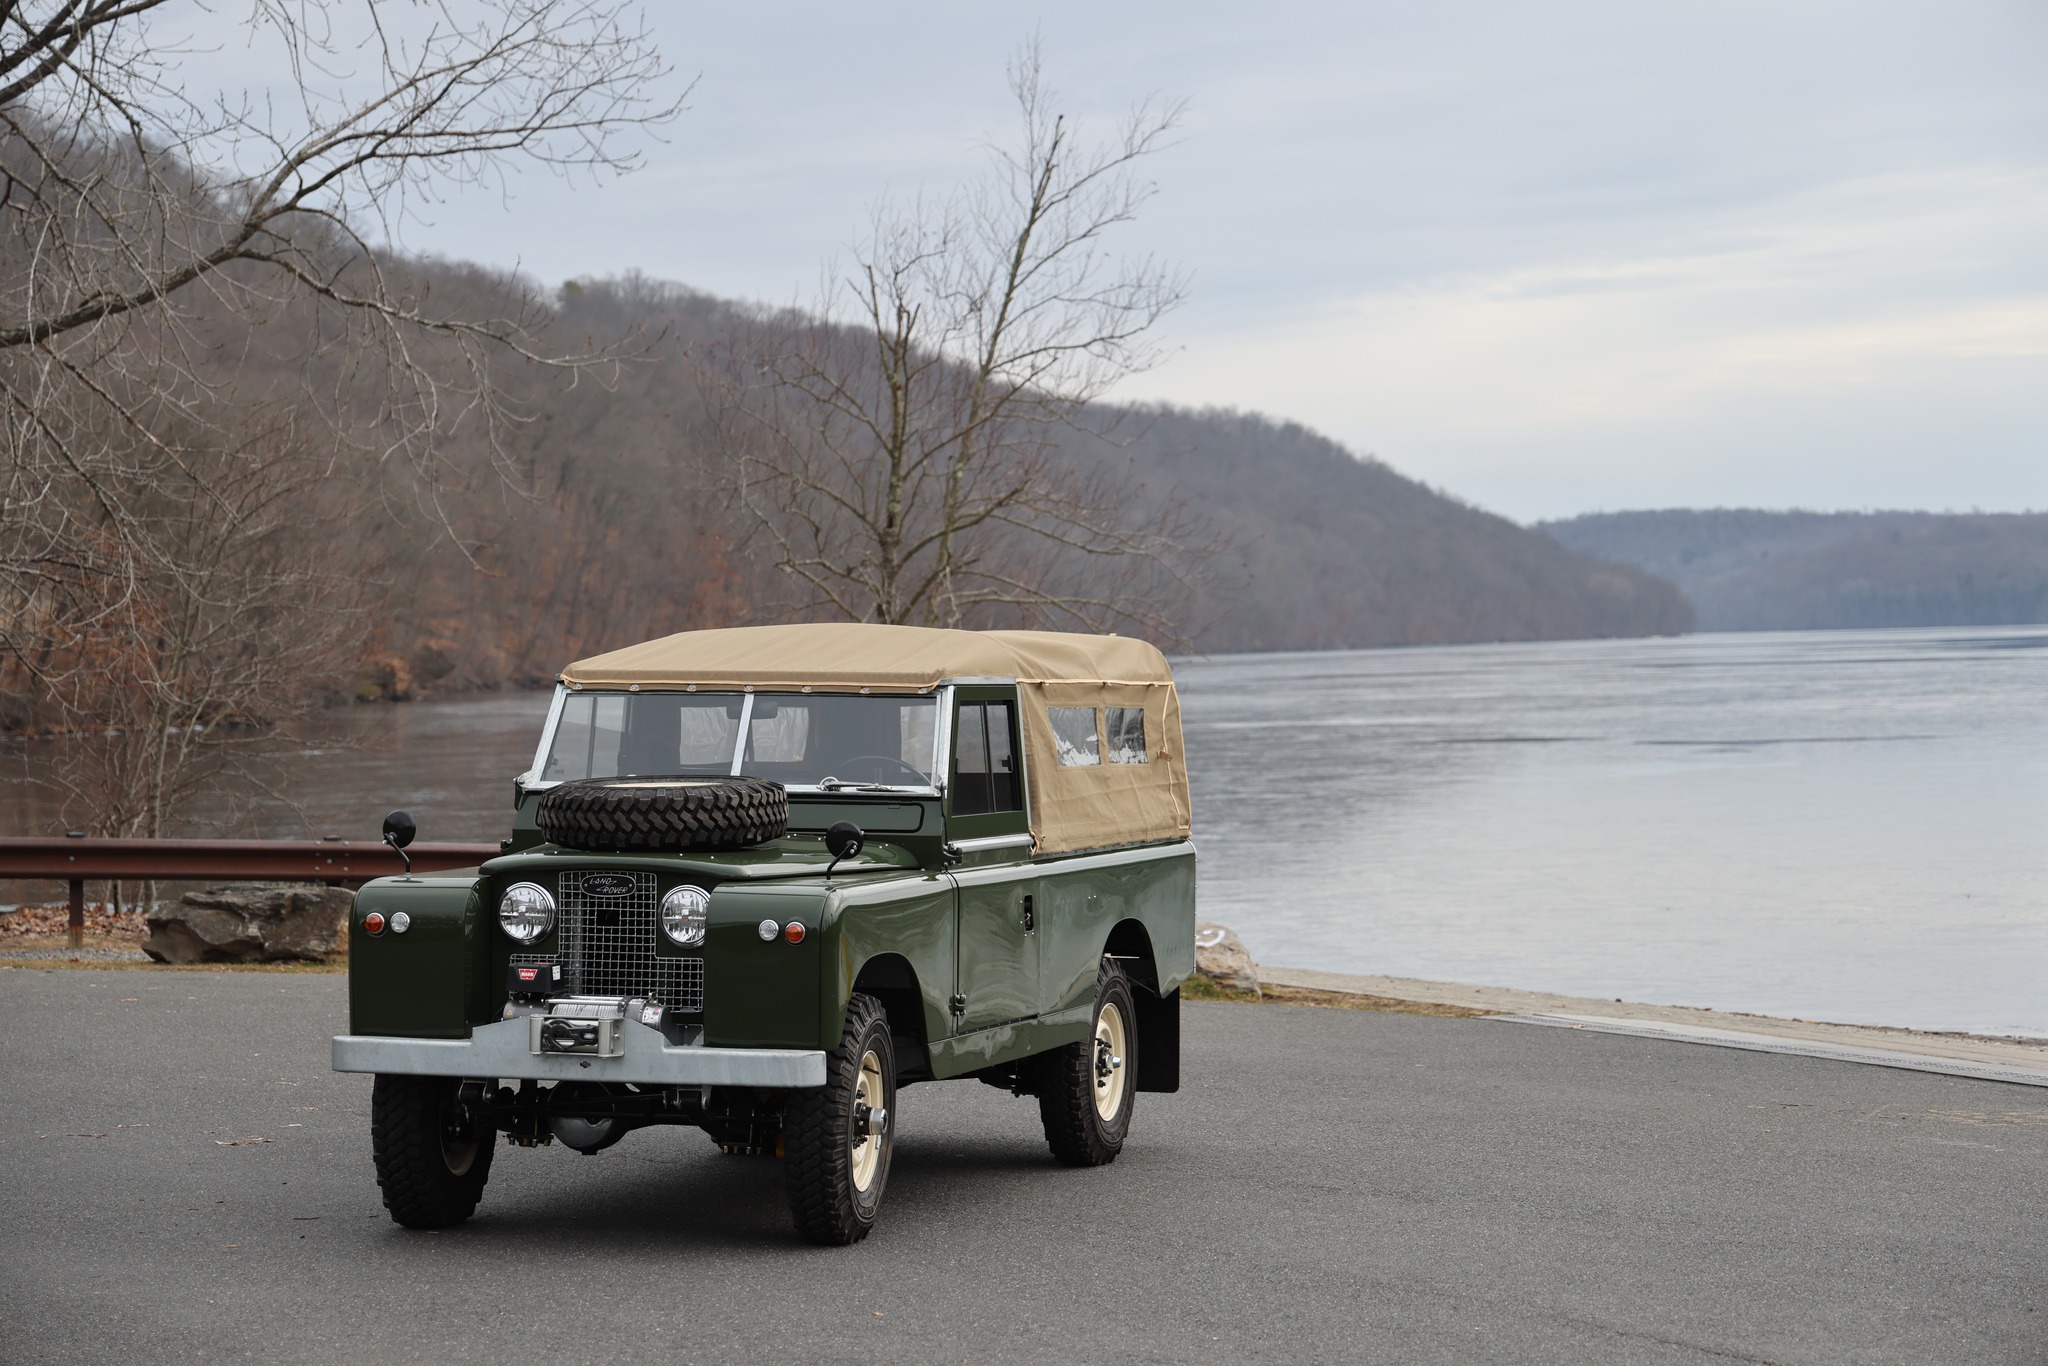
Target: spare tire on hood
(652,815)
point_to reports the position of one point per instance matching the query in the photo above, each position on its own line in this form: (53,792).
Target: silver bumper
(503,1049)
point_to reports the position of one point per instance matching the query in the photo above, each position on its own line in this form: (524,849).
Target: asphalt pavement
(186,1181)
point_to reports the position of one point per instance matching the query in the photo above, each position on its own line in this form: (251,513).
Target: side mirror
(843,841)
(399,828)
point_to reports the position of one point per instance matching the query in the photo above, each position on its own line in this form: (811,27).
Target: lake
(1836,825)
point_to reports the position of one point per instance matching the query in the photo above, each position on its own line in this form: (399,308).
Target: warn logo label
(533,979)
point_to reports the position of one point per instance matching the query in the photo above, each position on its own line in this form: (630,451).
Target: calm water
(1845,826)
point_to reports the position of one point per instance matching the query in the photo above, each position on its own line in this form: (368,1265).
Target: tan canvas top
(835,656)
(1073,807)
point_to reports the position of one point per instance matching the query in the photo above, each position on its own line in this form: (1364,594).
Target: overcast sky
(1553,258)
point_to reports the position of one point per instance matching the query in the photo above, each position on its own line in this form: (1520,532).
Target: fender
(429,982)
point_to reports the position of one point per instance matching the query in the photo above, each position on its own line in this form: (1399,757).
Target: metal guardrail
(74,860)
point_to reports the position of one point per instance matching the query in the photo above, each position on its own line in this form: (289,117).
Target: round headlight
(683,913)
(526,911)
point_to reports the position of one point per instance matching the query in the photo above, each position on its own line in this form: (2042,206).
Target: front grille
(607,942)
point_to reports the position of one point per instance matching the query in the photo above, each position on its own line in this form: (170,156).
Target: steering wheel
(923,779)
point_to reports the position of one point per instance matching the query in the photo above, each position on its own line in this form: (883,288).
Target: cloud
(1891,297)
(1588,253)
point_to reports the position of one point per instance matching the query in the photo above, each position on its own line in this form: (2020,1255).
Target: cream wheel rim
(866,1148)
(1111,1041)
(458,1141)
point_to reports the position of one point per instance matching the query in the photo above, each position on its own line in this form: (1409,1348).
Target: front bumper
(503,1050)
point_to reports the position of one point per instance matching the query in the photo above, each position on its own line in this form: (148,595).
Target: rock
(252,923)
(1222,957)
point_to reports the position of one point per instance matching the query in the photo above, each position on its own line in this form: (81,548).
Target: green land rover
(760,878)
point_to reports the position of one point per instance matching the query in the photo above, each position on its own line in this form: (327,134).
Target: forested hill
(1749,570)
(1323,550)
(1296,544)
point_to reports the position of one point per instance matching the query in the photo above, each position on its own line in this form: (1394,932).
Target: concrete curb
(1960,1049)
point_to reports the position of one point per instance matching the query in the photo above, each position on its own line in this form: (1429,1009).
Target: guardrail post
(78,913)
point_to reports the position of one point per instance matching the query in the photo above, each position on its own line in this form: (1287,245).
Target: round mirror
(844,839)
(399,828)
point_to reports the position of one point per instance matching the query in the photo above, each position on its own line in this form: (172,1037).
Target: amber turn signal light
(794,932)
(373,923)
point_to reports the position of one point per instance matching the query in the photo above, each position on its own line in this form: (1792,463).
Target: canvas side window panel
(1074,737)
(1123,733)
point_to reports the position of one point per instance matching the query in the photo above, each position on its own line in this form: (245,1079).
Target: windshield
(798,739)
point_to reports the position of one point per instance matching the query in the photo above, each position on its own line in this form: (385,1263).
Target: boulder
(1222,957)
(252,923)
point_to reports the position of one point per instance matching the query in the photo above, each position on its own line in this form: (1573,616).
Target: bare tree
(250,609)
(900,444)
(177,273)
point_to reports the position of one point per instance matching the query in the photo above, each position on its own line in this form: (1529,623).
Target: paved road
(1331,1186)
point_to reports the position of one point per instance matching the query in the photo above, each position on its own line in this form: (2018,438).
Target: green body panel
(763,993)
(792,856)
(1083,898)
(874,817)
(979,943)
(998,960)
(1007,1043)
(909,918)
(425,983)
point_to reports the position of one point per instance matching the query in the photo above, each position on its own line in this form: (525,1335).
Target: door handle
(1030,921)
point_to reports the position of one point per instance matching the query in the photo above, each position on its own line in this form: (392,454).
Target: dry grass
(1199,988)
(124,965)
(1345,1000)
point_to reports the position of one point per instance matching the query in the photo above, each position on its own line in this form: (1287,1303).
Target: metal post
(78,913)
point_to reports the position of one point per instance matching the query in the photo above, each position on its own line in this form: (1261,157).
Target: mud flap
(1158,1038)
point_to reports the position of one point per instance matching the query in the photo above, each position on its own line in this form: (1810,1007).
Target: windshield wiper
(835,785)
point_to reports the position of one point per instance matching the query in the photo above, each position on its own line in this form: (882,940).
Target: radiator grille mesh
(608,942)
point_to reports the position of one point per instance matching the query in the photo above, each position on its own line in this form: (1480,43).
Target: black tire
(640,815)
(827,1201)
(1069,1079)
(432,1158)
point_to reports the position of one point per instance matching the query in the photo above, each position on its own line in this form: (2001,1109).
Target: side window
(985,761)
(970,767)
(1124,729)
(1002,761)
(1073,735)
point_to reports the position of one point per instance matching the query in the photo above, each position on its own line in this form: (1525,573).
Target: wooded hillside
(1749,570)
(630,532)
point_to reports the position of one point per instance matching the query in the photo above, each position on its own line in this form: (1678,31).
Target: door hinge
(959,1004)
